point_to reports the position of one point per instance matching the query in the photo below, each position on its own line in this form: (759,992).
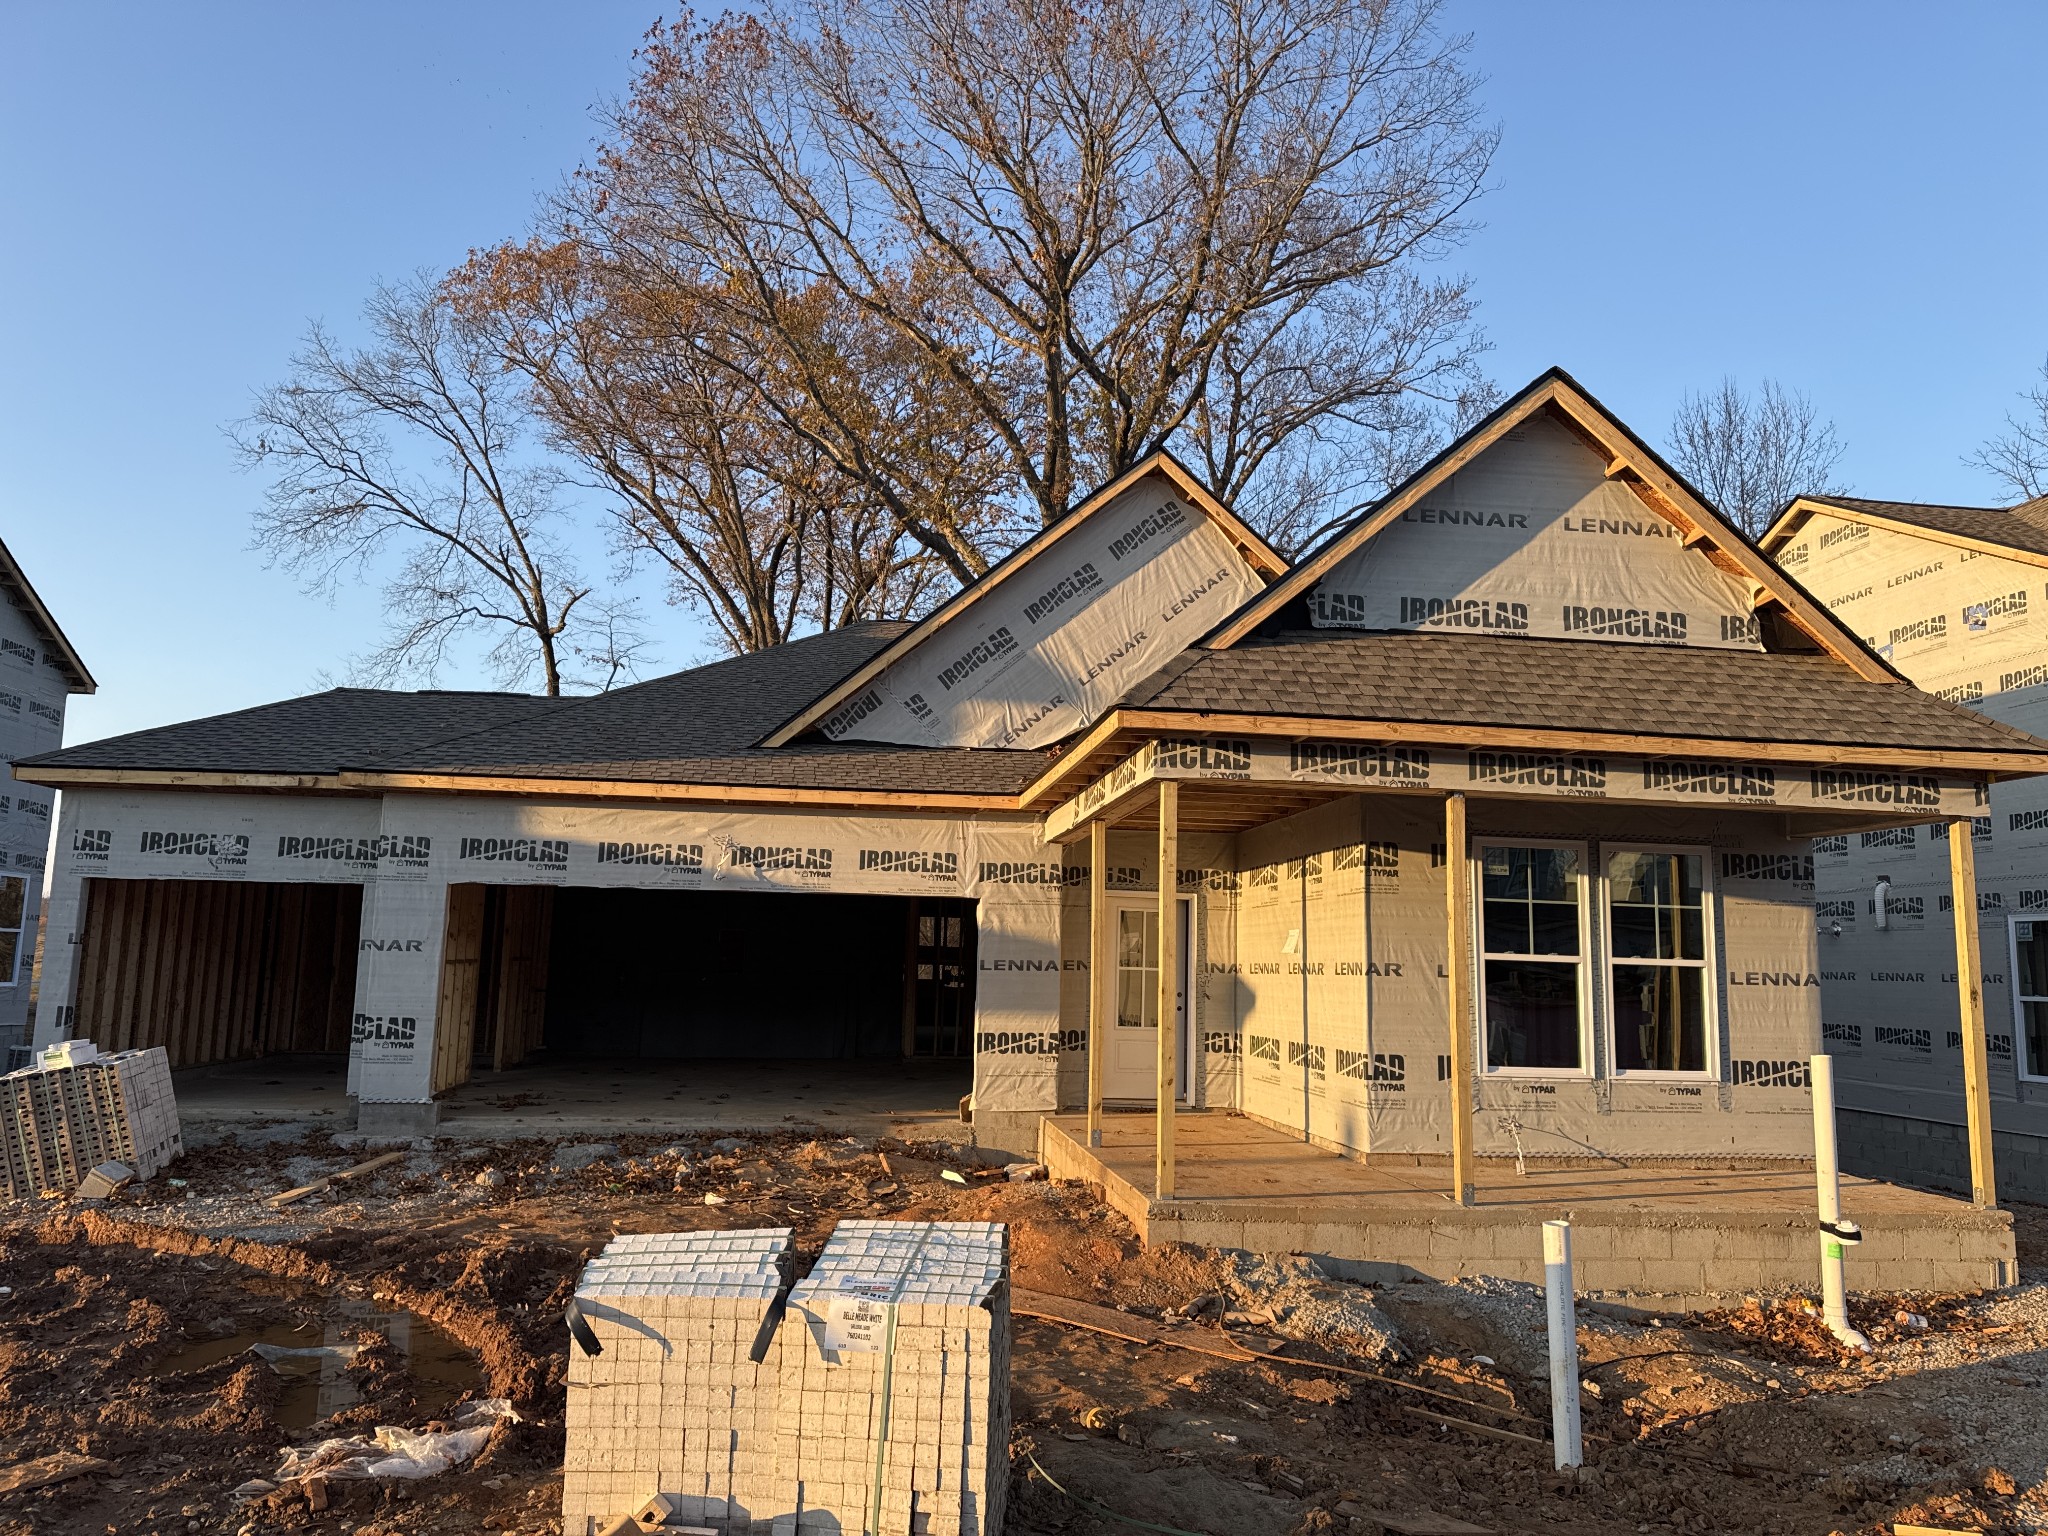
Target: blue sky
(1848,198)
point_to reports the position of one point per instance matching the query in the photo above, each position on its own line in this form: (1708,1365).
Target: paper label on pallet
(857,1324)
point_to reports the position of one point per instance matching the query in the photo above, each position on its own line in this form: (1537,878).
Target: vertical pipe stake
(1567,1446)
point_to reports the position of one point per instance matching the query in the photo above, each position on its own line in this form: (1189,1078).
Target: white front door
(1131,1064)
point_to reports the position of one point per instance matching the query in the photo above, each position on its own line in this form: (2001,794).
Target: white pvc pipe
(1827,1179)
(1567,1446)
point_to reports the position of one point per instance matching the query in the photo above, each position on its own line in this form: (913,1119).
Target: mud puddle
(313,1358)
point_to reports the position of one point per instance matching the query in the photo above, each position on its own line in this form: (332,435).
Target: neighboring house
(1484,828)
(39,671)
(1957,599)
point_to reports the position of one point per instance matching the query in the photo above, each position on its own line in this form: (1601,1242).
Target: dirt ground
(1748,1420)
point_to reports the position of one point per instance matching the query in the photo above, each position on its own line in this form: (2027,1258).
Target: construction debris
(286,1197)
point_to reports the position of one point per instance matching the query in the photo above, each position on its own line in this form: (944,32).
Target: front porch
(1679,1234)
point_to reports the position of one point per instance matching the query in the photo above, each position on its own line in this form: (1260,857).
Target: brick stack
(882,1404)
(59,1122)
(672,1404)
(896,1397)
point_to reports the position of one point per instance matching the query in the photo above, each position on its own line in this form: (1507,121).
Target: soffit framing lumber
(1962,762)
(53,777)
(1250,547)
(1790,520)
(16,582)
(737,794)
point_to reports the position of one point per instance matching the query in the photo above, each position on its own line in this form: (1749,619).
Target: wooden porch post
(1458,901)
(1169,984)
(1101,971)
(1962,869)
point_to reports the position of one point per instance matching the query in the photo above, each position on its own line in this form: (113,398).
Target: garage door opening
(219,971)
(759,975)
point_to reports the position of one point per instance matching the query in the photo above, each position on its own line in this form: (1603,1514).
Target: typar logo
(1020,872)
(678,858)
(1842,1034)
(801,863)
(1539,770)
(2006,605)
(934,867)
(221,850)
(1170,514)
(1888,837)
(1933,627)
(1018,1042)
(1712,778)
(1793,868)
(996,643)
(1771,1074)
(1083,579)
(1465,613)
(1919,1041)
(549,853)
(1875,786)
(91,846)
(1359,760)
(352,853)
(1626,623)
(1834,846)
(388,1030)
(1385,1069)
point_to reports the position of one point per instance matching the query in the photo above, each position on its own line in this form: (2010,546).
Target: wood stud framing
(1169,984)
(1458,963)
(1962,868)
(1101,972)
(218,970)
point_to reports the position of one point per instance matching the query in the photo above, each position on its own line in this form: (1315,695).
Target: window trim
(1586,1070)
(1708,965)
(2019,1007)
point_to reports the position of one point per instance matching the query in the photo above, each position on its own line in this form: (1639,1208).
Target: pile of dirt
(1384,1403)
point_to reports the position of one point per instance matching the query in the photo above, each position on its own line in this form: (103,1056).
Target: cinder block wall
(1908,1150)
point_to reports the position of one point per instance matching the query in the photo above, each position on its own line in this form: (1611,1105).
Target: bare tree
(412,448)
(1751,454)
(755,528)
(2018,457)
(981,256)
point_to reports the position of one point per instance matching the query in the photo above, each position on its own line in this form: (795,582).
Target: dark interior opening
(216,970)
(758,974)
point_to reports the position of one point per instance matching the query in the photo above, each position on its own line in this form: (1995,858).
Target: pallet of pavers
(76,1109)
(881,1403)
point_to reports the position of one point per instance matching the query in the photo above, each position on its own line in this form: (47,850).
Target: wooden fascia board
(1254,549)
(735,794)
(1824,628)
(1805,508)
(1305,575)
(81,678)
(1073,760)
(53,777)
(1986,763)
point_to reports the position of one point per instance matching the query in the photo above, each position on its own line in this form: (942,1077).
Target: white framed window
(1534,996)
(1658,937)
(13,906)
(2027,934)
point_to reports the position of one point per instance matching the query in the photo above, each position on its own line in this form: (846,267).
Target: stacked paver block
(895,1396)
(58,1123)
(880,1406)
(673,1404)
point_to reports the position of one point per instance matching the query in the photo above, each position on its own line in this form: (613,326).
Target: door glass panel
(1137,969)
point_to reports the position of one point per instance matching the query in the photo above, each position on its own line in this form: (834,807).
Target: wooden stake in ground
(286,1197)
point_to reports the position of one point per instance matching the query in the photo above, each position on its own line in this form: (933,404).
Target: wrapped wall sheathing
(1971,627)
(881,1404)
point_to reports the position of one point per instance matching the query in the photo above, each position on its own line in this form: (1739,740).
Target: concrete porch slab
(1649,1230)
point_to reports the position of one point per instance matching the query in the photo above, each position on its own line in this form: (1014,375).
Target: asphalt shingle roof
(694,727)
(1573,685)
(2022,527)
